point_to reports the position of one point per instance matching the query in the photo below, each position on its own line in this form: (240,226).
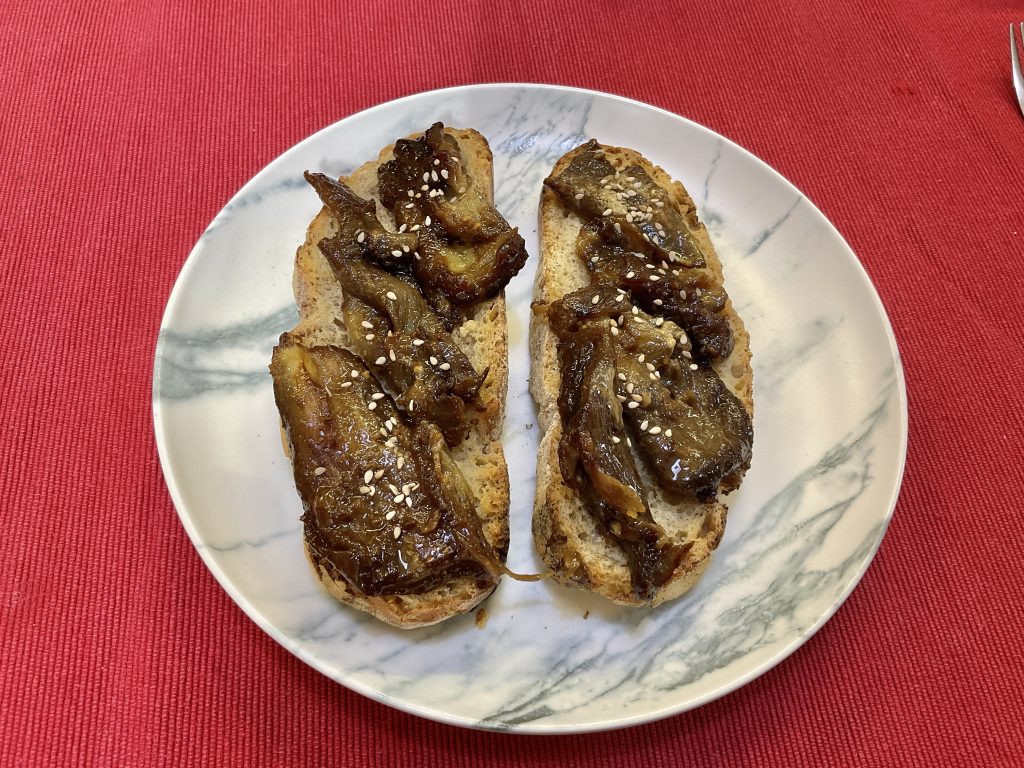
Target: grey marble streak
(225,358)
(762,237)
(786,527)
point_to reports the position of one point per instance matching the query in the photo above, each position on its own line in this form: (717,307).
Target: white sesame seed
(368,476)
(415,228)
(377,395)
(410,205)
(426,176)
(433,175)
(383,432)
(620,398)
(620,376)
(654,430)
(619,298)
(364,489)
(630,275)
(391,442)
(444,173)
(390,515)
(417,342)
(401,462)
(399,498)
(640,358)
(412,406)
(408,501)
(402,229)
(319,471)
(360,237)
(649,366)
(629,442)
(668,433)
(637,398)
(658,322)
(659,203)
(618,228)
(406,488)
(391,355)
(437,161)
(424,188)
(354,373)
(372,405)
(607,212)
(346,384)
(370,337)
(366,324)
(629,387)
(615,440)
(632,404)
(596,299)
(578,195)
(693,366)
(405,249)
(615,331)
(655,278)
(636,311)
(397,532)
(446,366)
(391,295)
(658,302)
(392,488)
(433,360)
(643,425)
(373,490)
(378,474)
(409,193)
(381,360)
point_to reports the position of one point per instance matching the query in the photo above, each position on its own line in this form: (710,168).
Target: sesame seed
(620,398)
(377,395)
(643,425)
(406,488)
(412,406)
(409,193)
(424,188)
(401,462)
(629,387)
(615,440)
(682,295)
(378,474)
(578,195)
(402,229)
(391,295)
(658,322)
(655,278)
(620,321)
(390,515)
(373,490)
(417,342)
(360,237)
(415,228)
(615,331)
(408,501)
(437,161)
(346,384)
(370,337)
(391,442)
(636,311)
(383,432)
(659,204)
(399,498)
(368,476)
(668,433)
(372,405)
(391,355)
(354,373)
(433,360)
(619,298)
(319,471)
(410,205)
(596,299)
(658,302)
(426,176)
(655,430)
(607,212)
(618,228)
(364,489)
(392,488)
(433,175)
(631,274)
(366,324)
(405,249)
(381,360)
(446,366)
(444,174)
(397,532)
(427,221)
(632,404)
(640,358)
(693,366)
(629,442)
(620,376)
(649,366)
(637,398)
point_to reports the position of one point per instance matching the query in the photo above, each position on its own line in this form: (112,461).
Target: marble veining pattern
(829,435)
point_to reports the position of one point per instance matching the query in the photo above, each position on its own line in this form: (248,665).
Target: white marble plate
(830,434)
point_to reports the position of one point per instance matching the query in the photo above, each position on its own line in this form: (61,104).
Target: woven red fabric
(125,128)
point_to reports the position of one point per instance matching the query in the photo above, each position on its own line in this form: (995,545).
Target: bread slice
(484,340)
(565,534)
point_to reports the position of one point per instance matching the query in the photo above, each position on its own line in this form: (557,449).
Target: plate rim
(534,728)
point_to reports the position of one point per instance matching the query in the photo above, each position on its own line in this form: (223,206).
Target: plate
(830,434)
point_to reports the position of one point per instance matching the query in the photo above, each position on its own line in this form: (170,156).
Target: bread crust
(484,340)
(565,535)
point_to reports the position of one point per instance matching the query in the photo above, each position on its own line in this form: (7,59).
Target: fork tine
(1018,74)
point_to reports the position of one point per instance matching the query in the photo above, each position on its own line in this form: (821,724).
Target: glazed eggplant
(466,250)
(386,508)
(404,342)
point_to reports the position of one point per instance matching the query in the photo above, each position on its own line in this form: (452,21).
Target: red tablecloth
(126,126)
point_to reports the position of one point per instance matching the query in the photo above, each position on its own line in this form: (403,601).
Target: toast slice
(482,337)
(566,535)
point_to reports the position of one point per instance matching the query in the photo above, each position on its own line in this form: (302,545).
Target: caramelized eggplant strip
(594,454)
(404,342)
(376,513)
(686,296)
(692,432)
(594,188)
(467,251)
